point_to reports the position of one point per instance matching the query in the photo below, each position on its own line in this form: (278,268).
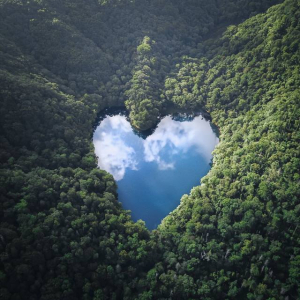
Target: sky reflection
(154,172)
(118,149)
(176,138)
(114,153)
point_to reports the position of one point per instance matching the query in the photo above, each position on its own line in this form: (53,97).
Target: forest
(63,232)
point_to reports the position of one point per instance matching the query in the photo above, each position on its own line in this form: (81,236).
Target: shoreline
(170,109)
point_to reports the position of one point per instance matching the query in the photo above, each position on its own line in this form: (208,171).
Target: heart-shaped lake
(154,171)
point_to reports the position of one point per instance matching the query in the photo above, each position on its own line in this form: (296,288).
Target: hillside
(63,234)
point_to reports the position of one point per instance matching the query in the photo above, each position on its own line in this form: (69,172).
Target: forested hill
(63,234)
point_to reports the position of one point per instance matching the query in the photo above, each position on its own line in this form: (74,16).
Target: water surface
(154,171)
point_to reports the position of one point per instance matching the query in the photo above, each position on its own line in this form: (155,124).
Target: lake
(154,169)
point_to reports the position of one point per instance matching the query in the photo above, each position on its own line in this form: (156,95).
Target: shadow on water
(183,116)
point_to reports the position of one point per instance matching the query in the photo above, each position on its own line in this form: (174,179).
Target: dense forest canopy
(63,233)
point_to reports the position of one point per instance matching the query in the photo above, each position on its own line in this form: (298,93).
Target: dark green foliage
(63,233)
(144,92)
(238,233)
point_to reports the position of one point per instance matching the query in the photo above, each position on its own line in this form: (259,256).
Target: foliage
(63,234)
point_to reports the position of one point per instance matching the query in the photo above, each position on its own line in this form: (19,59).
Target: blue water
(154,171)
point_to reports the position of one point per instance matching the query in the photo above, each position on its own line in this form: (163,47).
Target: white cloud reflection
(116,152)
(114,155)
(179,137)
